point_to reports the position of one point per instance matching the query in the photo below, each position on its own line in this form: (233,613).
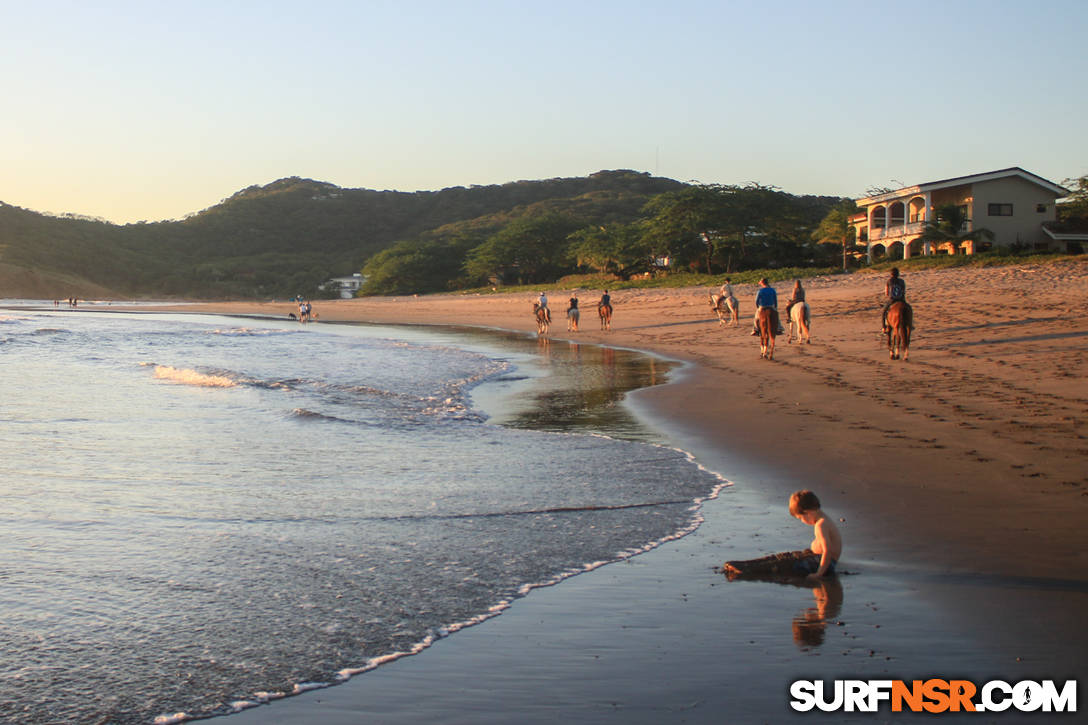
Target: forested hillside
(286,237)
(291,235)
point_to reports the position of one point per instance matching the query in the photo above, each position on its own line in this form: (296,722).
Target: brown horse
(543,318)
(605,313)
(768,328)
(900,323)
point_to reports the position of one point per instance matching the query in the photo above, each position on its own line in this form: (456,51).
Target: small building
(348,286)
(1015,205)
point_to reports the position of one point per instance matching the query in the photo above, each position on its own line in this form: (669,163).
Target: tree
(835,228)
(689,219)
(410,268)
(620,249)
(948,227)
(1076,204)
(530,249)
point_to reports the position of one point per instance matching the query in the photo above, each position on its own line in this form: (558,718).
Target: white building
(348,286)
(1012,203)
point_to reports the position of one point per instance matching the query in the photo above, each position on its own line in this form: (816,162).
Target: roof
(1071,229)
(1058,191)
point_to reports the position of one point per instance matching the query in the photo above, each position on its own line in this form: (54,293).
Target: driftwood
(775,566)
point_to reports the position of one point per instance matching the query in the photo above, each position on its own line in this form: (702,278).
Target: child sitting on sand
(827,546)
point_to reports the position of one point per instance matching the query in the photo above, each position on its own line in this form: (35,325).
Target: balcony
(897,229)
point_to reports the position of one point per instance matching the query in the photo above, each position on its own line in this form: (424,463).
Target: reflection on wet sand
(583,389)
(810,624)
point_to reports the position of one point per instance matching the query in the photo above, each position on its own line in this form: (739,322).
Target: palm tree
(949,228)
(836,228)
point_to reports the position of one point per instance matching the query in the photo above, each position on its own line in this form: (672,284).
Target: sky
(153,110)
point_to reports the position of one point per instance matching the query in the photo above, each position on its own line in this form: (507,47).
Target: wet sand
(961,476)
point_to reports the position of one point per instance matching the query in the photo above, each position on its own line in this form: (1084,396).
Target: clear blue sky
(152,110)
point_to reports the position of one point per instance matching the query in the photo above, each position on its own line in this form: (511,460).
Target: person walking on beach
(766,297)
(826,547)
(895,290)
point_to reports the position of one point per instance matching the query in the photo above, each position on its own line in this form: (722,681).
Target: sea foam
(192,377)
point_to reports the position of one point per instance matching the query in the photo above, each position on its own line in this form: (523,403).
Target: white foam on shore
(188,376)
(249,332)
(501,606)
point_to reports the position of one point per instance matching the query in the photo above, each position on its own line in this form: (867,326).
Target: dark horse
(768,328)
(605,313)
(900,323)
(543,318)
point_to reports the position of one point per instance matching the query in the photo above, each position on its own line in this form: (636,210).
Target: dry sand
(962,476)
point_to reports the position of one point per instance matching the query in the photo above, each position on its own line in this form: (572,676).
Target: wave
(436,633)
(250,332)
(192,377)
(304,414)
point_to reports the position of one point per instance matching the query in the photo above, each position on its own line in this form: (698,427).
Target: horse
(725,307)
(572,319)
(543,318)
(768,328)
(800,320)
(900,323)
(605,313)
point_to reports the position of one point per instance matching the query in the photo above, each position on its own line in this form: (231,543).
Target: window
(1041,208)
(1000,209)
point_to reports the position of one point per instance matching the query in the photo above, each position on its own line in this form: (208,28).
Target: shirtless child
(827,546)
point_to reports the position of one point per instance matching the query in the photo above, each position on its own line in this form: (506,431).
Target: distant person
(606,301)
(895,290)
(543,301)
(727,289)
(766,297)
(826,547)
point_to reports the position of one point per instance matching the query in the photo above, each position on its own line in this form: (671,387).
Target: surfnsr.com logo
(934,696)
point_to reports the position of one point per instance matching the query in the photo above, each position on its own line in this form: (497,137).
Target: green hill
(288,236)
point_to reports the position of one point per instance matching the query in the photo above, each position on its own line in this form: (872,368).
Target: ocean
(198,514)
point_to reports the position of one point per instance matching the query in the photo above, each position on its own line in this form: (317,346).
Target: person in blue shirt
(766,297)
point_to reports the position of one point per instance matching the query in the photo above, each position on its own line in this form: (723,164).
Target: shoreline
(973,449)
(844,382)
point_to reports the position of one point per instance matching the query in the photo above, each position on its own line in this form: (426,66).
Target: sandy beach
(960,478)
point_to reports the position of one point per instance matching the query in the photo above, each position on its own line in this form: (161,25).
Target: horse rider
(767,297)
(543,302)
(725,294)
(727,290)
(798,296)
(606,302)
(895,290)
